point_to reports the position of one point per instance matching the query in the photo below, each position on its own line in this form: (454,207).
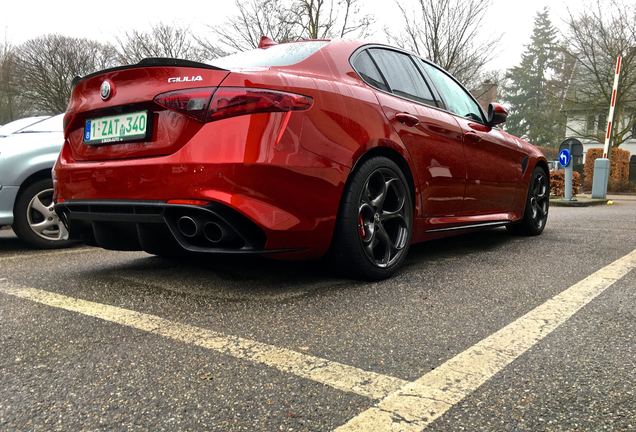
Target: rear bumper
(295,208)
(156,227)
(245,163)
(8,195)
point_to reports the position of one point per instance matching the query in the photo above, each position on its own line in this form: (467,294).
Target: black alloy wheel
(535,215)
(539,200)
(383,224)
(375,224)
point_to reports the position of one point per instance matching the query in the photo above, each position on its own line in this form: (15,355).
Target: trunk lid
(132,89)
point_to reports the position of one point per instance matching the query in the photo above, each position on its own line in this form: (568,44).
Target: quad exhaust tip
(191,228)
(188,227)
(213,232)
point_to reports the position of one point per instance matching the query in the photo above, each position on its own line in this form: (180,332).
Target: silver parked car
(28,151)
(16,125)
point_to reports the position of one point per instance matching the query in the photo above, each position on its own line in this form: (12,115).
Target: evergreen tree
(534,87)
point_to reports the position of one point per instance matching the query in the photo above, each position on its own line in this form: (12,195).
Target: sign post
(565,159)
(602,165)
(569,149)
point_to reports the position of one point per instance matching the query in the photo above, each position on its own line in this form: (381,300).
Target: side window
(368,71)
(402,75)
(458,101)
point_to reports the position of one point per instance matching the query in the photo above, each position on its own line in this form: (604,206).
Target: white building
(581,124)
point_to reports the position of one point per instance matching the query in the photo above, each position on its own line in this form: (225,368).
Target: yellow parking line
(337,375)
(417,404)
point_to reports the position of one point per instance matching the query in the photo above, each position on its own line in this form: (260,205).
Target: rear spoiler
(149,62)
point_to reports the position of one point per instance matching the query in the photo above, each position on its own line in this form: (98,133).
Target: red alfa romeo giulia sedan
(293,151)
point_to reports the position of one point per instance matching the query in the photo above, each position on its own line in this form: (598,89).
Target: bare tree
(162,40)
(12,105)
(7,89)
(256,18)
(324,19)
(289,20)
(597,35)
(449,33)
(45,67)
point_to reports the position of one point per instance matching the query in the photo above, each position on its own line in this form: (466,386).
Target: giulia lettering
(173,80)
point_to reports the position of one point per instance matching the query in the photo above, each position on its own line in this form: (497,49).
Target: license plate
(115,129)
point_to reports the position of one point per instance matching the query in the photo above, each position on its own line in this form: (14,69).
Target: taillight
(191,102)
(236,101)
(210,104)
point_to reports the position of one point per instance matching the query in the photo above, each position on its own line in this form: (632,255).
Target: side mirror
(497,114)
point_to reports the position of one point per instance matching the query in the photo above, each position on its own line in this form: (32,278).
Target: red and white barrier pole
(610,117)
(602,165)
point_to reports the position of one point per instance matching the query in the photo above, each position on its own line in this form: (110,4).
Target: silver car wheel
(43,220)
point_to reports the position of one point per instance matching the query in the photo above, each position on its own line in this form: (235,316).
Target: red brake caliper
(361,230)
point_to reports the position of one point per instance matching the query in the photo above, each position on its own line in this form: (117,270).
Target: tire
(375,223)
(34,220)
(537,206)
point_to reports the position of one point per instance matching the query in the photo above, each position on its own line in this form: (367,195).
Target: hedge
(557,183)
(619,169)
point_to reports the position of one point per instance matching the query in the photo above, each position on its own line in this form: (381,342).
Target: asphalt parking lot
(480,332)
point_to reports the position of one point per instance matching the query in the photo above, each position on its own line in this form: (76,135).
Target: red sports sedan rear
(292,150)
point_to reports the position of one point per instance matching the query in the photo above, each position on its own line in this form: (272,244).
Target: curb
(578,203)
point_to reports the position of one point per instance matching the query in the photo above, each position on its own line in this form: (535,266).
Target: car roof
(17,125)
(51,124)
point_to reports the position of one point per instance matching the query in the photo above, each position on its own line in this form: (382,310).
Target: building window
(590,123)
(602,123)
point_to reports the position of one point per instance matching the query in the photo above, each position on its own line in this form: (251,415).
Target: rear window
(276,55)
(402,75)
(368,71)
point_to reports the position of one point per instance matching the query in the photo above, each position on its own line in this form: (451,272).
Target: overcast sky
(24,19)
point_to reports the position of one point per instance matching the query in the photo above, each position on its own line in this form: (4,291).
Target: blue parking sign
(565,157)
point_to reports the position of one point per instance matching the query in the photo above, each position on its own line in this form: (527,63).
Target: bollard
(601,177)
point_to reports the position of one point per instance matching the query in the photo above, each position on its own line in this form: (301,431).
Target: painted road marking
(48,254)
(417,404)
(340,376)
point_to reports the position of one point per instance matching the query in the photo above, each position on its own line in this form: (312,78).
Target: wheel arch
(542,163)
(399,159)
(42,174)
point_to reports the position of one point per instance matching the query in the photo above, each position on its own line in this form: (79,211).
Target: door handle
(472,136)
(408,119)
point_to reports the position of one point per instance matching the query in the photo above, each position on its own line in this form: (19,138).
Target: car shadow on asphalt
(10,244)
(459,245)
(253,277)
(241,277)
